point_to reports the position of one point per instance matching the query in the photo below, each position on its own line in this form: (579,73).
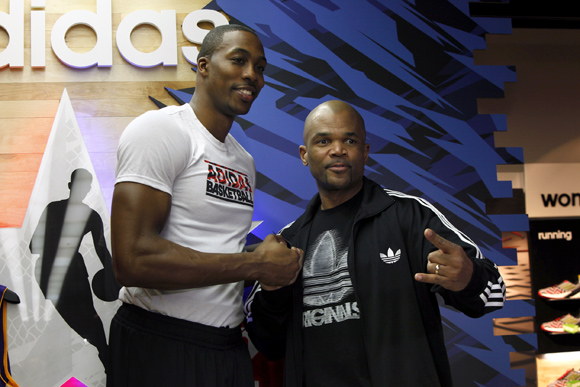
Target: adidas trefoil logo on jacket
(391,257)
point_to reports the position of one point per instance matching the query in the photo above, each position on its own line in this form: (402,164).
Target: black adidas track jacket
(401,320)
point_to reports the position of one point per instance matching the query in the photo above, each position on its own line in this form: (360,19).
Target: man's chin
(333,185)
(242,110)
(342,183)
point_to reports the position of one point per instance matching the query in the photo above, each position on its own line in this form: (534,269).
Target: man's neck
(217,124)
(331,199)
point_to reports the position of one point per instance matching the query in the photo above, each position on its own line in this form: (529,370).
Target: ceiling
(561,14)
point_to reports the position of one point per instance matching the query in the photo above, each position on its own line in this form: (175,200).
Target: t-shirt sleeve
(152,151)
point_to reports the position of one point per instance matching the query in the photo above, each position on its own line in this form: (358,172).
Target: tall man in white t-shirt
(182,207)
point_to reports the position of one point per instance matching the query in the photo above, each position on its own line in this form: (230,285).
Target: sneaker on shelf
(571,328)
(573,379)
(562,381)
(564,289)
(562,324)
(575,294)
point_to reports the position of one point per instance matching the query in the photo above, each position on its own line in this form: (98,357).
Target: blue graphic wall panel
(407,66)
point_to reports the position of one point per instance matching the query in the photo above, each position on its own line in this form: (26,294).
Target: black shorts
(150,349)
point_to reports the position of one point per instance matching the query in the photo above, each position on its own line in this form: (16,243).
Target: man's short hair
(214,38)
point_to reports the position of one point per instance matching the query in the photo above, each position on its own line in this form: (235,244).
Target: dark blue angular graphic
(407,66)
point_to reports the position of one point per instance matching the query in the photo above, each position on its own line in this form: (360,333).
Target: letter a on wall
(60,266)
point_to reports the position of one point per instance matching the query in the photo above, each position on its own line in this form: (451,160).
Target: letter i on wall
(37,34)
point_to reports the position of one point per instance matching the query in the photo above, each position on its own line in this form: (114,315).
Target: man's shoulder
(398,195)
(158,121)
(408,203)
(170,112)
(404,197)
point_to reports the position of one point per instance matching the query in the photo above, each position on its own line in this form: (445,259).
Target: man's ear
(202,65)
(303,154)
(366,152)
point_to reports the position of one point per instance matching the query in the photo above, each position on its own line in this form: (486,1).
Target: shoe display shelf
(554,254)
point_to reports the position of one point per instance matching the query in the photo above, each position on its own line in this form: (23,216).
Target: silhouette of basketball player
(60,269)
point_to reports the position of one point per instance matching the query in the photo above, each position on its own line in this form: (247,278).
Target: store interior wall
(542,114)
(542,105)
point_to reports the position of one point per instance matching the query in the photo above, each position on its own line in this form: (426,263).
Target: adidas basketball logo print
(391,257)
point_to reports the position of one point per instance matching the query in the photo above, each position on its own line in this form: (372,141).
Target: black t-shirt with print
(334,352)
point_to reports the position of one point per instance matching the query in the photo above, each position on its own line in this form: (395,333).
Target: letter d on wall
(100,22)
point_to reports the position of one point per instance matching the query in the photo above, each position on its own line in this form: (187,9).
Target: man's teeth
(247,92)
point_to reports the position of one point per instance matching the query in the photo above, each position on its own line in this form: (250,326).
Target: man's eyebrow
(350,134)
(320,134)
(247,53)
(324,134)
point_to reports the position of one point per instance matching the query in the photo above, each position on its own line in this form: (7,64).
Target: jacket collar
(375,200)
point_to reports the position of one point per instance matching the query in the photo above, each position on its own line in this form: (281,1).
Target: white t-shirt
(212,189)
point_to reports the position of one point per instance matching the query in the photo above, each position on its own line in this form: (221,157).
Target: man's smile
(246,92)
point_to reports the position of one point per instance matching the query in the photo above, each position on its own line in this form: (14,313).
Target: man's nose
(250,72)
(338,148)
